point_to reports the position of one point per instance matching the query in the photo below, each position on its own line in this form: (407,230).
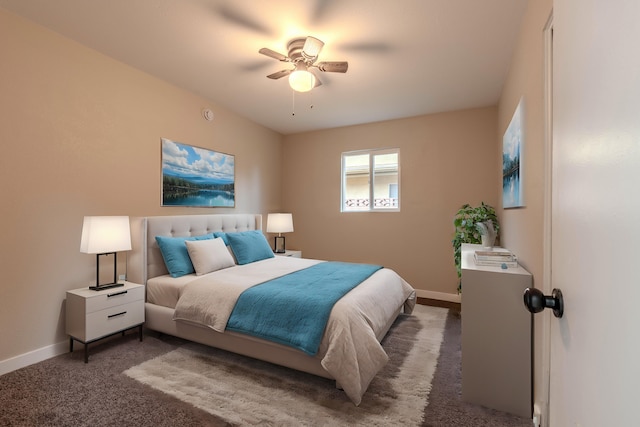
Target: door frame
(541,405)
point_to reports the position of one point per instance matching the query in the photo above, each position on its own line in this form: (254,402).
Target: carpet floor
(63,391)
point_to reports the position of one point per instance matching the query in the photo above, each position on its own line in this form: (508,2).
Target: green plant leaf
(466,231)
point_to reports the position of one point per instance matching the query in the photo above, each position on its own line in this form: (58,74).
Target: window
(371,175)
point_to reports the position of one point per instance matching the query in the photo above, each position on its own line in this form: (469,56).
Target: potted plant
(470,224)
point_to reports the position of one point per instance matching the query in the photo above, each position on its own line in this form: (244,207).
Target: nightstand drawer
(113,319)
(113,297)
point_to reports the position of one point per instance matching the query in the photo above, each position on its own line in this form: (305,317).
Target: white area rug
(244,391)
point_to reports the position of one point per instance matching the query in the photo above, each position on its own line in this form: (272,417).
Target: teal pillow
(222,235)
(175,254)
(249,246)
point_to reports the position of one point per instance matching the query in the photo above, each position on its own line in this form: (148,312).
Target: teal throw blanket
(294,309)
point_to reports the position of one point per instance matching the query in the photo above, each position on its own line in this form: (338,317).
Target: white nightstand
(93,315)
(293,254)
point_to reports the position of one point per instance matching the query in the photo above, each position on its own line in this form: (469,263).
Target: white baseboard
(440,296)
(32,357)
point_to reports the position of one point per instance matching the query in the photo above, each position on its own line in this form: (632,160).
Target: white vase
(488,240)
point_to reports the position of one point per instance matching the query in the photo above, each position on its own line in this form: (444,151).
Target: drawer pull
(115,315)
(116,294)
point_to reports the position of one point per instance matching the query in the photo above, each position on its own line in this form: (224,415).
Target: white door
(595,347)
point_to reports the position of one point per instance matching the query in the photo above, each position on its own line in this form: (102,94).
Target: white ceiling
(406,57)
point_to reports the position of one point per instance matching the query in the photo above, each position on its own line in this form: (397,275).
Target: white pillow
(209,255)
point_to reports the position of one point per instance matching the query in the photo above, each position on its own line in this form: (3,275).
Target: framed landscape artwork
(196,177)
(512,196)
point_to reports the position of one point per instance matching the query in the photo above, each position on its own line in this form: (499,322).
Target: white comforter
(349,350)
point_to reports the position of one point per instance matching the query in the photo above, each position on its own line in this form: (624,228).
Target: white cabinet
(496,336)
(92,315)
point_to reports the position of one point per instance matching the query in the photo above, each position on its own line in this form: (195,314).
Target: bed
(349,351)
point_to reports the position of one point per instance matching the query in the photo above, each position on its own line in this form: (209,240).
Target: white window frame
(371,207)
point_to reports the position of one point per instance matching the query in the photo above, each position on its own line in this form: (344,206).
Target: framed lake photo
(196,177)
(512,176)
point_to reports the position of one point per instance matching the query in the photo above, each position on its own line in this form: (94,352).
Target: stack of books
(495,258)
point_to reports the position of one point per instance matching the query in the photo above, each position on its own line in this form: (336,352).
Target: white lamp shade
(104,234)
(302,80)
(279,223)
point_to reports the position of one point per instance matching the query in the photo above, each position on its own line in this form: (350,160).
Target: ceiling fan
(303,53)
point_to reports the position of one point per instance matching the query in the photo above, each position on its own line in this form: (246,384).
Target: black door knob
(536,301)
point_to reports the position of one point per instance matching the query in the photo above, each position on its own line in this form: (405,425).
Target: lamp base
(107,286)
(111,285)
(278,245)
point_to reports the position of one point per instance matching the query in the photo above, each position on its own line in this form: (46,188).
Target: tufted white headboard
(144,261)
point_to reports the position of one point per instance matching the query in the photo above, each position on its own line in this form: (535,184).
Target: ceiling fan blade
(273,54)
(238,18)
(367,47)
(279,74)
(333,66)
(312,47)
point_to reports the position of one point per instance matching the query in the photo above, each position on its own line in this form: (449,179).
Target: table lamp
(105,235)
(279,223)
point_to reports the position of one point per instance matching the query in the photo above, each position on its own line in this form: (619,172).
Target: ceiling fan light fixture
(301,79)
(303,53)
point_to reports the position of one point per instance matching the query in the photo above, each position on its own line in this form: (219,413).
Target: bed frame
(145,261)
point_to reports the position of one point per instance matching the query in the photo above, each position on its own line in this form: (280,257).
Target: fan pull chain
(293,102)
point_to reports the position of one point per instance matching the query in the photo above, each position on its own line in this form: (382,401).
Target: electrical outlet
(122,277)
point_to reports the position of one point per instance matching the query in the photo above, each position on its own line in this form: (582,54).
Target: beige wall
(522,228)
(446,160)
(80,135)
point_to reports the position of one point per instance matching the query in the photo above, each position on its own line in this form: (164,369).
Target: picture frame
(512,166)
(196,177)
